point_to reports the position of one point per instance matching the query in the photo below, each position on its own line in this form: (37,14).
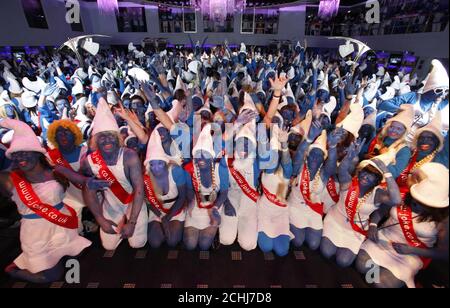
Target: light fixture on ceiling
(328,8)
(219,9)
(107,6)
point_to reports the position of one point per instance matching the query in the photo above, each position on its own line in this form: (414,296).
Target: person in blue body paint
(428,101)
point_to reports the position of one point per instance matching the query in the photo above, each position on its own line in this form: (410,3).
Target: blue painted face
(427,142)
(323,96)
(367,179)
(133,143)
(25,161)
(325,121)
(152,119)
(9,110)
(165,134)
(158,167)
(288,115)
(197,103)
(293,141)
(126,103)
(138,107)
(107,142)
(245,148)
(65,139)
(203,160)
(315,159)
(368,111)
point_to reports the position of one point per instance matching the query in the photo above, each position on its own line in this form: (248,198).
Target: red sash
(373,144)
(306,192)
(402,180)
(272,198)
(351,204)
(152,198)
(105,174)
(332,191)
(251,193)
(58,159)
(404,215)
(190,169)
(46,211)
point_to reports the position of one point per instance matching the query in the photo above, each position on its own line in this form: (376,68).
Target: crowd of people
(396,17)
(186,147)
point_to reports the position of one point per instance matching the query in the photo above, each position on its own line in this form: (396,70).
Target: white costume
(44,243)
(404,267)
(115,210)
(273,219)
(245,224)
(338,229)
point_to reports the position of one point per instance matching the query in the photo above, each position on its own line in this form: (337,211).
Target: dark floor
(226,267)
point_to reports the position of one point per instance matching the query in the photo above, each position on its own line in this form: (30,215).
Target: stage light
(328,8)
(107,6)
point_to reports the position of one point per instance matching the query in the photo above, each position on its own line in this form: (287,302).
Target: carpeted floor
(226,267)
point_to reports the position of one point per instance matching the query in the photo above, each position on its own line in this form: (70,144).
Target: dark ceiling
(249,2)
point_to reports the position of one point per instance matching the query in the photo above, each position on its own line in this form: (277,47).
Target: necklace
(213,194)
(424,161)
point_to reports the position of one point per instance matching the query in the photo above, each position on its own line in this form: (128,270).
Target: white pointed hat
(243,48)
(396,84)
(248,103)
(324,84)
(387,158)
(77,88)
(438,78)
(14,86)
(404,116)
(29,99)
(381,71)
(248,131)
(205,141)
(24,139)
(139,74)
(434,127)
(180,84)
(433,188)
(390,93)
(155,150)
(353,121)
(386,78)
(60,83)
(104,120)
(34,86)
(329,107)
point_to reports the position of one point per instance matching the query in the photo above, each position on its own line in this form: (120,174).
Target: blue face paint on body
(25,161)
(107,142)
(65,139)
(158,168)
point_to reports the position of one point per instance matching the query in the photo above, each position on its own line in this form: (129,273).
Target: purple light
(328,8)
(107,6)
(219,9)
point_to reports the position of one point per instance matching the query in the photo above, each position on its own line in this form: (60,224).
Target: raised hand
(278,83)
(49,89)
(315,130)
(246,116)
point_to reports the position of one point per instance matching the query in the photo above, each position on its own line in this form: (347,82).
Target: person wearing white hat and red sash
(67,151)
(313,167)
(48,227)
(393,136)
(122,213)
(209,182)
(243,194)
(346,224)
(427,101)
(415,232)
(166,192)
